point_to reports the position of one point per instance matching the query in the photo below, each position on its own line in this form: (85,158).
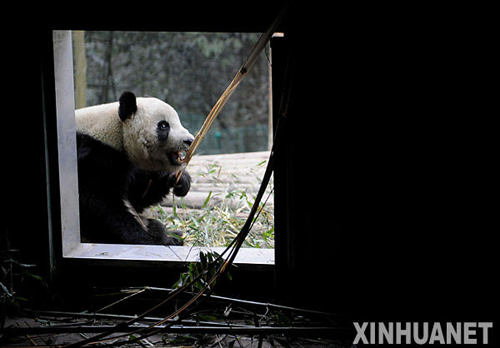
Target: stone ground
(223,173)
(188,339)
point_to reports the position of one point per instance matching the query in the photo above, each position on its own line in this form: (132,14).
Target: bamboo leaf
(207,199)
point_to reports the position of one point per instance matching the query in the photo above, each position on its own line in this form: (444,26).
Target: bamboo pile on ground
(217,321)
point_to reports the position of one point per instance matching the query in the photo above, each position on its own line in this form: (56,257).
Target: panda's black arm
(105,219)
(123,228)
(105,175)
(149,188)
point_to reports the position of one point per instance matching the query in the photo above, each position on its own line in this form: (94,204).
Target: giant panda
(128,154)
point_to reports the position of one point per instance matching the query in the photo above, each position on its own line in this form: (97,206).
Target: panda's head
(153,136)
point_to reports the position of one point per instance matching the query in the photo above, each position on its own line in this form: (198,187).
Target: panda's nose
(188,142)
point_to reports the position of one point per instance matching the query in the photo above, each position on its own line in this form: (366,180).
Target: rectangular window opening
(189,71)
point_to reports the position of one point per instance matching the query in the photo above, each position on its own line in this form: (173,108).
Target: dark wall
(24,180)
(389,162)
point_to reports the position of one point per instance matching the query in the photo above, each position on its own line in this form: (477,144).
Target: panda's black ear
(128,105)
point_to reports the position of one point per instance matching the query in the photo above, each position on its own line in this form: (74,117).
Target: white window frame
(72,247)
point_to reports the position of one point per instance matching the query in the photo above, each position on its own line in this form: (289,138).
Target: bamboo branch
(55,314)
(252,303)
(122,299)
(240,75)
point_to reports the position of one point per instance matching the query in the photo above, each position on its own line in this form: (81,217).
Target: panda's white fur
(102,123)
(137,135)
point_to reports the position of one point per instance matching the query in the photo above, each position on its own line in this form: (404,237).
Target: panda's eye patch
(163,125)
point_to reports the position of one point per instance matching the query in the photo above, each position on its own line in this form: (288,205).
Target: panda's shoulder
(92,149)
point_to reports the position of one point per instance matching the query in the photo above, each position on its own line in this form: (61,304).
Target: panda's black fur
(106,179)
(128,105)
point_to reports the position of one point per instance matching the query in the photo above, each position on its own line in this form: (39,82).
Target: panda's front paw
(156,230)
(174,238)
(182,187)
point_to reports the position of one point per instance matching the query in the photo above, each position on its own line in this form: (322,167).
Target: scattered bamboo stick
(128,317)
(228,329)
(122,299)
(246,302)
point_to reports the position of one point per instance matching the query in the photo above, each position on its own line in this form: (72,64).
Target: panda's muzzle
(176,157)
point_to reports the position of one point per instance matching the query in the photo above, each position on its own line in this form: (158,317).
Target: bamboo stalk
(217,108)
(248,302)
(121,300)
(125,317)
(240,75)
